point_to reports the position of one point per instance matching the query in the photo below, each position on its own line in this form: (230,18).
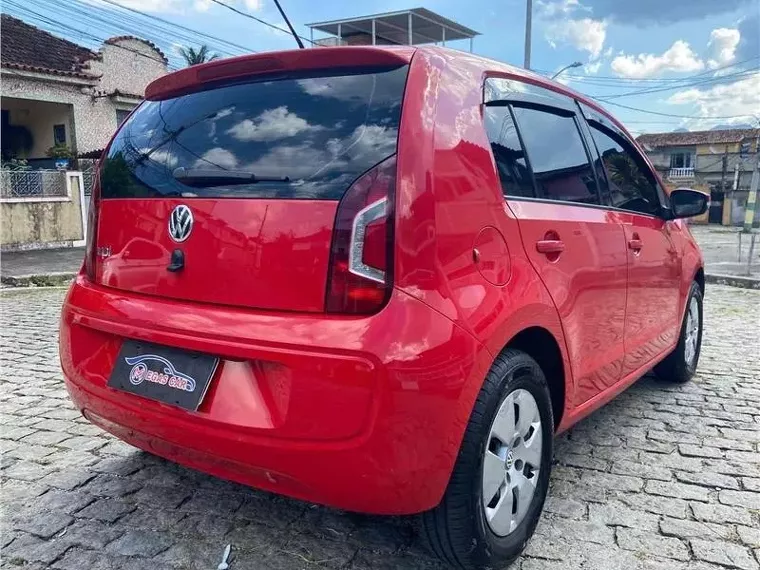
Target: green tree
(194,57)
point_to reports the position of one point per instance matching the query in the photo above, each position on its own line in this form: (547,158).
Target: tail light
(361,257)
(91,246)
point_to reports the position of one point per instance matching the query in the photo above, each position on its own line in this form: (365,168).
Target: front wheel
(497,489)
(681,364)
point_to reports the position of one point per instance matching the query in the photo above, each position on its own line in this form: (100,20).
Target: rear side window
(557,155)
(631,185)
(508,152)
(295,137)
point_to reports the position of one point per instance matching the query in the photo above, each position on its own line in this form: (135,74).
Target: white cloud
(217,157)
(585,34)
(253,5)
(679,58)
(559,8)
(740,99)
(272,124)
(593,67)
(722,46)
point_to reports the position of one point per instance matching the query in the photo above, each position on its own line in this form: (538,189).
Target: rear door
(654,268)
(575,245)
(239,183)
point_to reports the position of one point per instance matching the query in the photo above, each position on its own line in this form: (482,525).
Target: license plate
(169,375)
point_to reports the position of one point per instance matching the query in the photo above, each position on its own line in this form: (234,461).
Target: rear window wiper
(205,177)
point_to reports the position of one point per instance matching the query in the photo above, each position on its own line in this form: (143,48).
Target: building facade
(55,92)
(719,161)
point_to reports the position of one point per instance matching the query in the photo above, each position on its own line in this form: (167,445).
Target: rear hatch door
(239,184)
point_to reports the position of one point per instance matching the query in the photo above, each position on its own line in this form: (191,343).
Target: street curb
(48,280)
(733,281)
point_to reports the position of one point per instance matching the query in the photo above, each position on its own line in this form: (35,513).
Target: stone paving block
(648,544)
(616,513)
(142,543)
(694,529)
(746,499)
(43,527)
(749,536)
(27,548)
(106,510)
(711,480)
(678,490)
(721,514)
(724,553)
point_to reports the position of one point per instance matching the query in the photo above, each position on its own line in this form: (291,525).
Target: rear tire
(681,364)
(467,529)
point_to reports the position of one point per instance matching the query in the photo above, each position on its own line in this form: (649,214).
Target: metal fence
(33,184)
(88,175)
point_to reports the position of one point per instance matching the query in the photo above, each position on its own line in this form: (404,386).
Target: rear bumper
(364,414)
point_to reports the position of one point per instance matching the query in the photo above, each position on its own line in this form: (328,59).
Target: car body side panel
(449,191)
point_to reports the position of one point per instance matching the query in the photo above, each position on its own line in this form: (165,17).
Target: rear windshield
(295,137)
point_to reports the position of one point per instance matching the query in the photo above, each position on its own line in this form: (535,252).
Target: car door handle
(550,246)
(635,244)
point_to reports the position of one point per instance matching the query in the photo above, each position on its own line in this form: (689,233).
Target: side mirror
(686,203)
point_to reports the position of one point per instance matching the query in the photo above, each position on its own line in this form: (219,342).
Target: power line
(669,114)
(712,80)
(190,30)
(259,20)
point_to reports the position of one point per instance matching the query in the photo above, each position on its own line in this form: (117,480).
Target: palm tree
(193,57)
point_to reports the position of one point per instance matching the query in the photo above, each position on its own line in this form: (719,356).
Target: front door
(652,320)
(651,309)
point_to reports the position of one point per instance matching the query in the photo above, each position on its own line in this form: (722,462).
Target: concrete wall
(34,223)
(39,117)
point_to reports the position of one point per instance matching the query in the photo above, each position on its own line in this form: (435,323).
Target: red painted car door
(575,245)
(652,305)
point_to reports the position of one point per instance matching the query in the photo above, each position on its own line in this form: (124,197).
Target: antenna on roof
(292,31)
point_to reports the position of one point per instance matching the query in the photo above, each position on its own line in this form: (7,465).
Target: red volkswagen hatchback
(378,279)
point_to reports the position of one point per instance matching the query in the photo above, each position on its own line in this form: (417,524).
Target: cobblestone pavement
(665,477)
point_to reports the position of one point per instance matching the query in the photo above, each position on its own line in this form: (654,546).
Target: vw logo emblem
(180,223)
(510,459)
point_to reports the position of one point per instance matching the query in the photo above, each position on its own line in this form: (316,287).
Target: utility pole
(528,26)
(723,184)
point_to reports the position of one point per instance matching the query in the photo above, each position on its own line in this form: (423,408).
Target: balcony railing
(33,184)
(681,173)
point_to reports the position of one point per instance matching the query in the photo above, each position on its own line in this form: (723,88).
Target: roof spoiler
(194,77)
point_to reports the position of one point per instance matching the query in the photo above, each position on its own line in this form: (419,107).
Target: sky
(678,64)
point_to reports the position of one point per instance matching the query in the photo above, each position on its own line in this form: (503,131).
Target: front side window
(632,186)
(557,155)
(508,152)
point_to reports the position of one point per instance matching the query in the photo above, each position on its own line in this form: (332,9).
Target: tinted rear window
(319,132)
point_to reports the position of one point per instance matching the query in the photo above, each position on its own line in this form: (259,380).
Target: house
(60,101)
(55,92)
(720,161)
